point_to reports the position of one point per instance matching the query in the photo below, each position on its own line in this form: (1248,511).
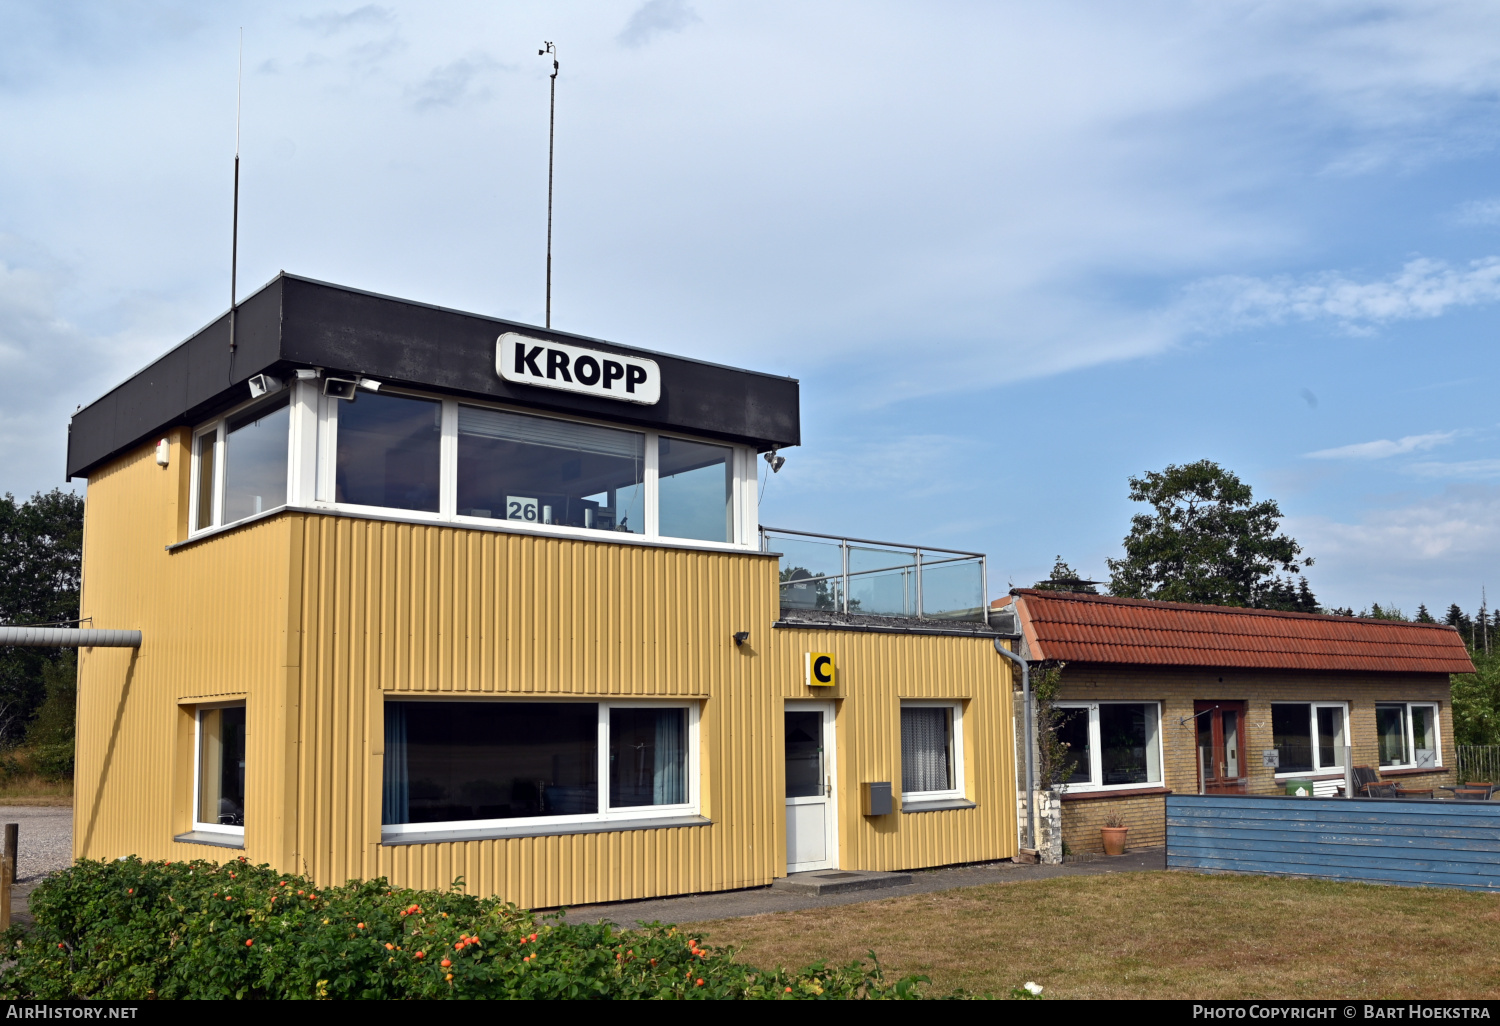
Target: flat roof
(296,322)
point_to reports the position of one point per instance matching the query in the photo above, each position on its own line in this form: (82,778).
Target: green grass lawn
(1155,935)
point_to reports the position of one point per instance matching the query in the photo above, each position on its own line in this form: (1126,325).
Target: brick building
(1158,697)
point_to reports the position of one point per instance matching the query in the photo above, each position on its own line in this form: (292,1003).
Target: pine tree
(1423,616)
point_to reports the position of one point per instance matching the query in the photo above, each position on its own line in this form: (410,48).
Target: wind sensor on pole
(234,239)
(551,127)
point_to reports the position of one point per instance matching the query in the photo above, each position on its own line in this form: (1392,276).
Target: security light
(264,384)
(740,637)
(340,388)
(776,461)
(369,384)
(309,373)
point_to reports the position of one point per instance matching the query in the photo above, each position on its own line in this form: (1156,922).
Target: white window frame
(1318,768)
(957,790)
(566,824)
(1406,723)
(198,711)
(1096,748)
(742,462)
(300,437)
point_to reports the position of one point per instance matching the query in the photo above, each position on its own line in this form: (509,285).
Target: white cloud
(1423,288)
(1466,469)
(656,17)
(1478,212)
(1435,550)
(1384,447)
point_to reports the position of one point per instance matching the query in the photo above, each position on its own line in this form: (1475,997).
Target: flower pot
(1114,839)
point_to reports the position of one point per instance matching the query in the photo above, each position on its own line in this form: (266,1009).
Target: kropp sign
(534,361)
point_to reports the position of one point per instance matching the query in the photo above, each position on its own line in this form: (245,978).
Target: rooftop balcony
(856,577)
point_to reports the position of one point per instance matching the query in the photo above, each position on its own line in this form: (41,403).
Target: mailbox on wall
(876,798)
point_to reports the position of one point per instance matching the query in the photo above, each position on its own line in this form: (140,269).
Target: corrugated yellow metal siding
(213,624)
(318,619)
(875,672)
(404,609)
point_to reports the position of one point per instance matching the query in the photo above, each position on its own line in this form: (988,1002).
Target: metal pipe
(1030,750)
(1349,770)
(68,637)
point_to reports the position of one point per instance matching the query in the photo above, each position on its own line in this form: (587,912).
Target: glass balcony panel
(953,591)
(863,559)
(810,574)
(887,593)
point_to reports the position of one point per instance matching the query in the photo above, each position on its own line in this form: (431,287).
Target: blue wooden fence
(1417,843)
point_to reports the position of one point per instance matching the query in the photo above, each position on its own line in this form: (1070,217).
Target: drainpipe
(1030,749)
(68,637)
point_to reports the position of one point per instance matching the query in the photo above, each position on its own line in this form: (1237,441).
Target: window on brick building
(1309,736)
(1114,744)
(1407,733)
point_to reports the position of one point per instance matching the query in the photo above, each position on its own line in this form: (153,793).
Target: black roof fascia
(299,322)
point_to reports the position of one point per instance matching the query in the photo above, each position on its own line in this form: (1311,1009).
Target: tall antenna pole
(234,243)
(551,128)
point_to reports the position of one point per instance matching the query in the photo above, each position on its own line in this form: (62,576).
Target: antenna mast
(551,128)
(234,241)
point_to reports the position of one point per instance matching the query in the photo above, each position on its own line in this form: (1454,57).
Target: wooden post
(13,847)
(7,870)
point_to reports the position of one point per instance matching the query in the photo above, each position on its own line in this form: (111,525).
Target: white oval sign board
(535,361)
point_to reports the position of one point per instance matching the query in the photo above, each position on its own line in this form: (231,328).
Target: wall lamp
(740,637)
(776,461)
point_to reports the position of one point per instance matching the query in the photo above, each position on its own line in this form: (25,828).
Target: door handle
(827,789)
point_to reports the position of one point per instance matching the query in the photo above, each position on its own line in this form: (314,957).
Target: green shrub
(132,930)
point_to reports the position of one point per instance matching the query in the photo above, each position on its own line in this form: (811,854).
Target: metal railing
(857,576)
(1479,762)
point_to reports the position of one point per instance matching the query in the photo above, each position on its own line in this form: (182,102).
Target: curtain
(926,763)
(667,781)
(395,797)
(1153,749)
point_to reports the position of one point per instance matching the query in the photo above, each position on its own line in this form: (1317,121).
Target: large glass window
(389,451)
(1407,734)
(512,466)
(1308,736)
(1123,743)
(930,748)
(695,489)
(220,801)
(502,761)
(255,450)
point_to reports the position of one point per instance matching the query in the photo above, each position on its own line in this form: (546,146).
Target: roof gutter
(68,637)
(1030,749)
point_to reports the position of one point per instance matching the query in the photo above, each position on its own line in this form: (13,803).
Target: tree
(41,552)
(1423,616)
(1208,541)
(1065,578)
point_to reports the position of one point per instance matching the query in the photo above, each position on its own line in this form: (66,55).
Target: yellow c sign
(820,672)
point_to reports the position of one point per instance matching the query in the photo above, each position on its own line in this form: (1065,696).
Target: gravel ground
(46,839)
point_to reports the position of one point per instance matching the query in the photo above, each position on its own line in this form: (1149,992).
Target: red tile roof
(1101,629)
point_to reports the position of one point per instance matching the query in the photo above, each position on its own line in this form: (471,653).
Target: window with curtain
(458,763)
(930,749)
(1309,736)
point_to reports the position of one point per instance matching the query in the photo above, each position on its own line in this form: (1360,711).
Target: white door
(811,827)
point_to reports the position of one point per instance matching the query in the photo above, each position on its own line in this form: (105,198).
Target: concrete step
(838,881)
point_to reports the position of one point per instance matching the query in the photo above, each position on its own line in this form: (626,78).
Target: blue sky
(1016,253)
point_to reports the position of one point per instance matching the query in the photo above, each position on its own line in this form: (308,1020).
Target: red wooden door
(1221,748)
